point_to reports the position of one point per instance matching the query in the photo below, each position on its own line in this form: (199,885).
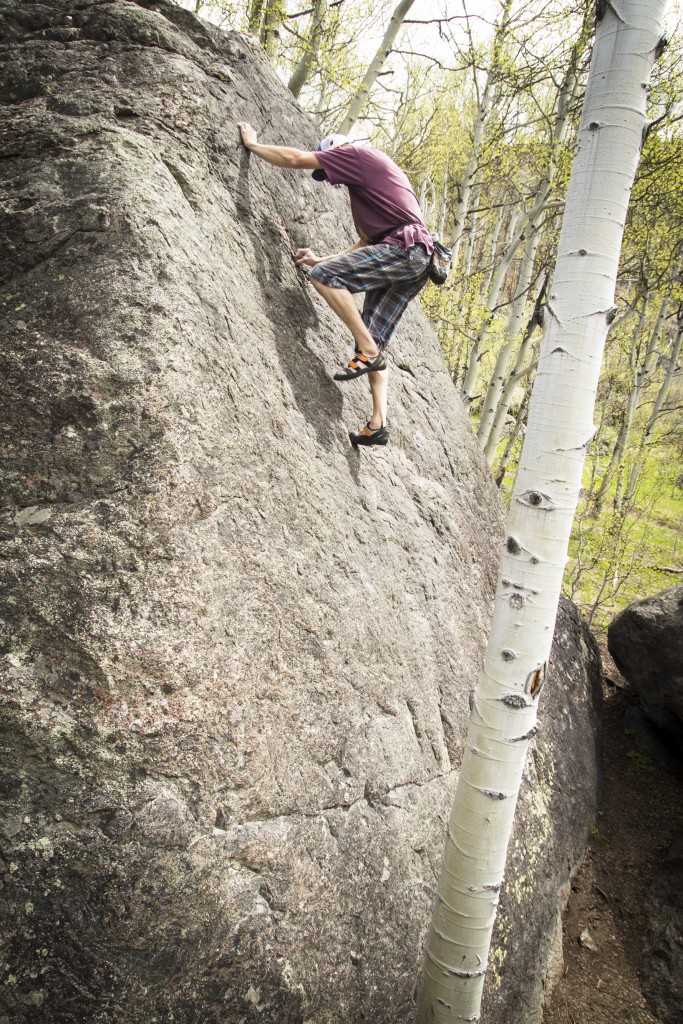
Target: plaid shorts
(389,276)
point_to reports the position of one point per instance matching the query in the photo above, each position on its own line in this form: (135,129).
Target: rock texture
(663,960)
(236,653)
(646,642)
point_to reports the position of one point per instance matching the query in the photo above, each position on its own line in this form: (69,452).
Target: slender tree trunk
(302,71)
(643,377)
(519,371)
(529,229)
(499,375)
(616,457)
(272,20)
(663,392)
(359,100)
(647,437)
(255,16)
(443,213)
(467,181)
(427,205)
(485,102)
(495,284)
(525,223)
(514,433)
(560,426)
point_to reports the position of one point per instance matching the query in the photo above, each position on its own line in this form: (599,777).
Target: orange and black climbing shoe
(366,435)
(361,364)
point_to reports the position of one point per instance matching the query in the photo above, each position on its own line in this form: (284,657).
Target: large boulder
(663,958)
(646,642)
(236,653)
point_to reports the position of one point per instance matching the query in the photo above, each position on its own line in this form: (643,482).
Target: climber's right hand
(306,258)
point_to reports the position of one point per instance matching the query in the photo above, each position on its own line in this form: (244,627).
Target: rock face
(646,642)
(663,960)
(236,653)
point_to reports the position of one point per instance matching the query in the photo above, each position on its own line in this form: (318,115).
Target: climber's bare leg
(379,383)
(342,302)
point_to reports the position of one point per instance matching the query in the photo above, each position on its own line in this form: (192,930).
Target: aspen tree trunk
(302,71)
(494,249)
(560,426)
(376,65)
(666,383)
(647,437)
(625,427)
(443,212)
(494,284)
(255,16)
(643,379)
(272,20)
(516,427)
(485,102)
(427,205)
(471,236)
(533,227)
(498,377)
(525,223)
(519,371)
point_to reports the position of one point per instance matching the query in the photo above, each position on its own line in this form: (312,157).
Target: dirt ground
(642,807)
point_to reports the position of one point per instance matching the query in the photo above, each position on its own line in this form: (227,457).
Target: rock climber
(389,262)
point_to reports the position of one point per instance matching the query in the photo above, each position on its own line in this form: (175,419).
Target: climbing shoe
(366,435)
(361,364)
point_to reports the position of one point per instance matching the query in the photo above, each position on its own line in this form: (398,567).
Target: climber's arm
(278,156)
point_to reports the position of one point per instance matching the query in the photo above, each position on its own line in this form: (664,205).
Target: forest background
(479,104)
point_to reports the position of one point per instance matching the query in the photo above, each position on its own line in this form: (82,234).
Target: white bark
(494,250)
(642,379)
(544,502)
(531,224)
(376,65)
(427,205)
(495,283)
(625,428)
(485,102)
(519,371)
(647,438)
(498,377)
(272,20)
(302,71)
(467,179)
(443,213)
(667,382)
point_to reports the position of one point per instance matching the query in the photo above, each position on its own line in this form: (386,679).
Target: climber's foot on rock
(368,435)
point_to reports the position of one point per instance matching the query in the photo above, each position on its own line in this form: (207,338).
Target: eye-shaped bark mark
(535,680)
(537,499)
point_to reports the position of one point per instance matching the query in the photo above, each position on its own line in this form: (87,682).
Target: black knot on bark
(515,700)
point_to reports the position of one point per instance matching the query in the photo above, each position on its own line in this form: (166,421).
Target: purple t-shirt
(383,204)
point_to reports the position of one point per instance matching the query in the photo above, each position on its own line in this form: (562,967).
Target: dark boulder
(663,959)
(236,654)
(646,642)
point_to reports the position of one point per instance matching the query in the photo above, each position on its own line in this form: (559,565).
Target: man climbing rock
(390,262)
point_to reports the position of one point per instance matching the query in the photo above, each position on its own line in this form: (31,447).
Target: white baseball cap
(329,142)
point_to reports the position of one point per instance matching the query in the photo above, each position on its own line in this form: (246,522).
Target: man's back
(383,203)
